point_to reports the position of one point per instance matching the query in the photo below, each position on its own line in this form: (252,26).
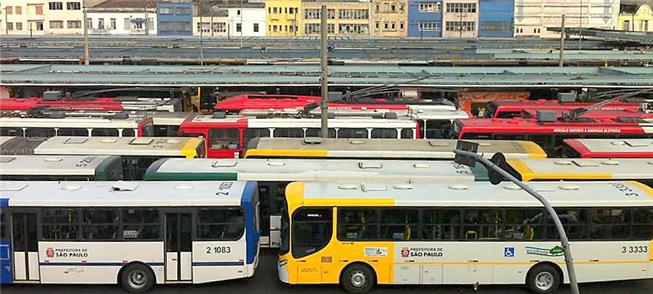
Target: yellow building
(389,18)
(282,17)
(346,18)
(637,18)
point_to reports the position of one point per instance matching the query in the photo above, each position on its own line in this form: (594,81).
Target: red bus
(608,148)
(512,108)
(227,136)
(549,134)
(595,114)
(95,104)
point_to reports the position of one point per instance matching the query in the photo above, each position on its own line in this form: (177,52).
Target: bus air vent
(546,116)
(141,141)
(172,141)
(372,187)
(585,163)
(435,143)
(370,165)
(610,162)
(224,163)
(123,186)
(276,163)
(74,140)
(650,162)
(569,187)
(458,187)
(7,159)
(390,115)
(53,159)
(356,142)
(71,187)
(421,165)
(109,140)
(5,186)
(563,162)
(511,186)
(184,187)
(348,187)
(121,115)
(403,187)
(618,143)
(219,115)
(632,143)
(312,140)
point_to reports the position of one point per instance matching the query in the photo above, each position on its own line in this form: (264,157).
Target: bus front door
(25,245)
(179,263)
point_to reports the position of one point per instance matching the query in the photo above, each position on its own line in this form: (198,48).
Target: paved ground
(265,281)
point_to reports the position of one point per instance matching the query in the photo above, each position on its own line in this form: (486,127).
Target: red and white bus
(514,108)
(549,134)
(118,125)
(226,137)
(608,148)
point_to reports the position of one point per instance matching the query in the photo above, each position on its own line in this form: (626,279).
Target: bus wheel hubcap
(544,281)
(358,279)
(137,279)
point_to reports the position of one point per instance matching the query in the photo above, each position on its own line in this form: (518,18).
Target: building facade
(39,17)
(533,17)
(460,19)
(174,18)
(346,18)
(496,18)
(283,17)
(636,18)
(390,18)
(122,17)
(247,21)
(425,18)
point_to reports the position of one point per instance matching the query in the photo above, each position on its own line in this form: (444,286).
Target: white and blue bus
(137,234)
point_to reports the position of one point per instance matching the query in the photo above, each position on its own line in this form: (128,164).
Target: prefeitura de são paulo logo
(405,252)
(49,252)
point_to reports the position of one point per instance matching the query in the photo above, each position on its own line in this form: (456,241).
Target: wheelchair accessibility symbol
(509,252)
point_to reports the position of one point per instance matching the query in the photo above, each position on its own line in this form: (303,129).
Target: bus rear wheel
(543,279)
(358,278)
(137,278)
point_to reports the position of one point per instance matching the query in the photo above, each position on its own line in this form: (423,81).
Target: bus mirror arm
(564,241)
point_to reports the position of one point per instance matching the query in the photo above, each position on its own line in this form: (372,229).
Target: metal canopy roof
(309,75)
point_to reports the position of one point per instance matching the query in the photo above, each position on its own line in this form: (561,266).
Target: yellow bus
(359,235)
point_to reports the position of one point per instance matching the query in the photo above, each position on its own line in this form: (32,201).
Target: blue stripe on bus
(94,263)
(6,273)
(4,202)
(251,236)
(217,263)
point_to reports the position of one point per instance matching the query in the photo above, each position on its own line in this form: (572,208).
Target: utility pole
(466,154)
(561,60)
(147,21)
(87,55)
(324,108)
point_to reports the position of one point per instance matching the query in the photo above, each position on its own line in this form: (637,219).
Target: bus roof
(521,126)
(602,194)
(582,169)
(68,122)
(602,148)
(351,122)
(113,194)
(383,148)
(169,118)
(127,146)
(308,170)
(28,165)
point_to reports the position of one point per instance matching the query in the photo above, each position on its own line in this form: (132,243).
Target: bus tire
(543,279)
(137,278)
(358,278)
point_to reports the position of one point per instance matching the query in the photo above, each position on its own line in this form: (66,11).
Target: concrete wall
(252,20)
(496,18)
(427,21)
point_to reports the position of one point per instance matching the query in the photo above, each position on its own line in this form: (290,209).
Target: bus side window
(12,132)
(220,223)
(524,224)
(256,133)
(384,133)
(128,133)
(311,229)
(315,132)
(40,132)
(288,133)
(482,224)
(607,223)
(441,224)
(104,132)
(140,224)
(357,224)
(399,224)
(100,224)
(407,134)
(573,219)
(643,223)
(224,139)
(352,133)
(59,224)
(72,132)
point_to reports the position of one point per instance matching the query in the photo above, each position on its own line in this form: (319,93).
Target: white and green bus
(136,234)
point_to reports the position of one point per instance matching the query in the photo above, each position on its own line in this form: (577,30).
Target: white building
(120,17)
(533,17)
(250,20)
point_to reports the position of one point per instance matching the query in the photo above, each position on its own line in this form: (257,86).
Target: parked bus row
(359,235)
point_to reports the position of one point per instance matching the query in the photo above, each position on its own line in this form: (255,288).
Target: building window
(38,9)
(19,10)
(89,23)
(353,14)
(182,10)
(39,25)
(291,10)
(126,23)
(73,5)
(314,28)
(239,27)
(165,10)
(74,24)
(9,10)
(100,23)
(626,25)
(316,13)
(55,5)
(430,7)
(238,12)
(429,26)
(461,7)
(10,26)
(353,29)
(458,26)
(56,24)
(219,27)
(112,23)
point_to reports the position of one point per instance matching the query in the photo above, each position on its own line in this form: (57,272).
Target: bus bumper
(283,271)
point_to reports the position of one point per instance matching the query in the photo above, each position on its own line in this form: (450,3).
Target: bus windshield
(284,245)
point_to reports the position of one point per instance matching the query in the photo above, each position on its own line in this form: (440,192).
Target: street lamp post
(466,154)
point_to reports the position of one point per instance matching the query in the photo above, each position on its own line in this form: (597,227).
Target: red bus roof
(263,101)
(518,105)
(612,148)
(597,114)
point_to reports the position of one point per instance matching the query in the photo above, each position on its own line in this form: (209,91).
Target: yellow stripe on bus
(533,150)
(189,150)
(527,173)
(285,153)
